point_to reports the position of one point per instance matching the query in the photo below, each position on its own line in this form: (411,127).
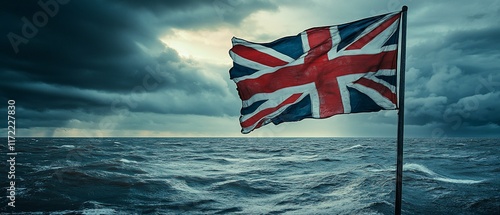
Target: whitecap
(99,211)
(127,161)
(458,181)
(435,176)
(67,146)
(418,168)
(381,170)
(298,157)
(352,147)
(182,186)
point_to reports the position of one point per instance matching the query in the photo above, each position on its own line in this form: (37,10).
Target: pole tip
(405,8)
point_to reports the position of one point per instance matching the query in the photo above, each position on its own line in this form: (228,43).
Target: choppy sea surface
(251,176)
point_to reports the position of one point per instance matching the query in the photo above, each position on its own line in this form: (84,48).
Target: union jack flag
(320,72)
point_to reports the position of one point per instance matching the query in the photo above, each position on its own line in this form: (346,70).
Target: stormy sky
(160,68)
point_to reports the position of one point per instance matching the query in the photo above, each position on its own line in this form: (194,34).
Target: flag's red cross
(319,69)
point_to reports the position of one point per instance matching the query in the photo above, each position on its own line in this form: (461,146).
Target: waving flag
(320,72)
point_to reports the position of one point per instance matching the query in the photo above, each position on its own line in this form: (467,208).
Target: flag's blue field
(253,176)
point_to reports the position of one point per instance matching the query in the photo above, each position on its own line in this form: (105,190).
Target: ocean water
(252,176)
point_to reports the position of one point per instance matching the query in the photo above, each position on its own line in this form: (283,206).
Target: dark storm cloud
(485,41)
(96,57)
(91,61)
(199,13)
(453,76)
(84,46)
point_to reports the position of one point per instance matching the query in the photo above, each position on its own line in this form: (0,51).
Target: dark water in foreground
(252,176)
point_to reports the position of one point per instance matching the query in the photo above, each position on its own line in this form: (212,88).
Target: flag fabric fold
(318,73)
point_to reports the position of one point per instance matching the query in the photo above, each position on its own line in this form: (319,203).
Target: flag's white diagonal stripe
(381,81)
(343,82)
(263,49)
(271,103)
(371,50)
(277,97)
(248,63)
(267,70)
(268,117)
(378,98)
(382,38)
(371,28)
(284,92)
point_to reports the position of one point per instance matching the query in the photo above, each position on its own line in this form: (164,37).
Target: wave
(98,211)
(277,158)
(123,160)
(68,146)
(435,176)
(328,159)
(94,207)
(264,150)
(241,186)
(196,180)
(192,205)
(72,177)
(299,158)
(458,181)
(181,185)
(353,147)
(265,176)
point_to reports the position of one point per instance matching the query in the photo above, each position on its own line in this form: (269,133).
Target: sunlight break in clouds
(209,46)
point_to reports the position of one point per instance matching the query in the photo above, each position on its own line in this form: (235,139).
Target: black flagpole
(401,115)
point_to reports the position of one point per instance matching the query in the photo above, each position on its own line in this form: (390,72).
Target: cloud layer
(77,60)
(102,66)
